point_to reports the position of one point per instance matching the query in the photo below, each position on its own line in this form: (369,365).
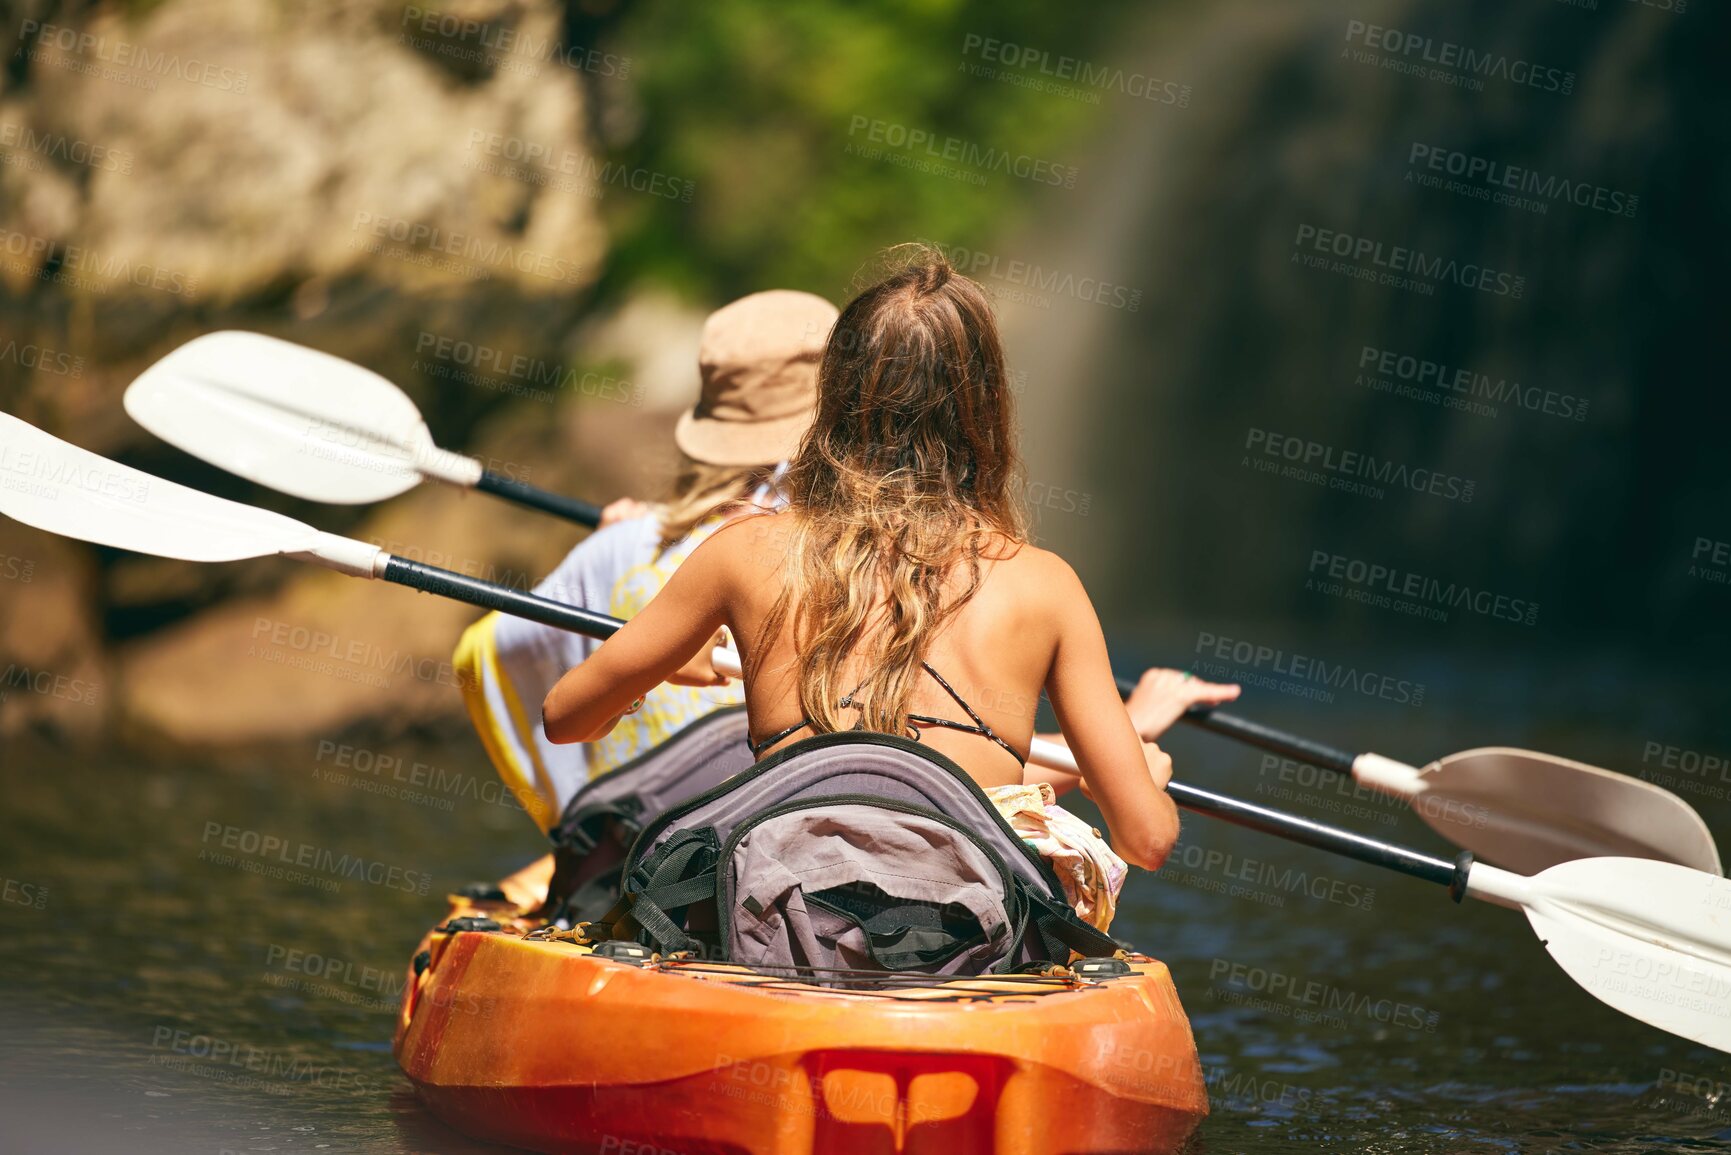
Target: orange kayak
(522,1037)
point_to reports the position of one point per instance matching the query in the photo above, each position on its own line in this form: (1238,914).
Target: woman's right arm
(1126,778)
(663,639)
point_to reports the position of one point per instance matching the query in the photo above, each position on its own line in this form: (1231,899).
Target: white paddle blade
(52,485)
(1526,811)
(285,416)
(1652,939)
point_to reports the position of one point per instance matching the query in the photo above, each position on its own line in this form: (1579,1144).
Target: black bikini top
(979,725)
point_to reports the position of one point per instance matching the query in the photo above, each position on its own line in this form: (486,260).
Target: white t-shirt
(507,665)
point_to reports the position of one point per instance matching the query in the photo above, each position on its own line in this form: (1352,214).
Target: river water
(156,997)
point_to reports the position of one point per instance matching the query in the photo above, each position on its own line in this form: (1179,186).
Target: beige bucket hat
(758,361)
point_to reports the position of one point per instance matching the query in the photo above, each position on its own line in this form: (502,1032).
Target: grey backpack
(845,853)
(603,818)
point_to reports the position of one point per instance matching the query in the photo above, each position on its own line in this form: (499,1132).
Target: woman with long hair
(757,365)
(898,592)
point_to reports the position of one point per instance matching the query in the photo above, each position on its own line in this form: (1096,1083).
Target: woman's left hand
(624,509)
(1163,696)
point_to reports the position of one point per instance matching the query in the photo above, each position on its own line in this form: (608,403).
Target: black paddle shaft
(492,596)
(1318,754)
(431,579)
(511,489)
(1306,832)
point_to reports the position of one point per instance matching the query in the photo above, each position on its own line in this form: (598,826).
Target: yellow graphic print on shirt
(667,709)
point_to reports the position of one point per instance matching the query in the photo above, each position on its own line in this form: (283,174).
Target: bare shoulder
(746,546)
(1030,594)
(1035,575)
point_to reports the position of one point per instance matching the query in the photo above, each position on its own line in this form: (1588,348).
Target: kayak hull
(543,1045)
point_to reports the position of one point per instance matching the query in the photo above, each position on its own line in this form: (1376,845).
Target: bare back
(994,654)
(1029,626)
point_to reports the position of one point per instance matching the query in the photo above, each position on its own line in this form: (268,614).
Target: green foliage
(755,102)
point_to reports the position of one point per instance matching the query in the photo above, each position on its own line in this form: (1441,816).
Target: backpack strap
(658,893)
(902,934)
(600,893)
(1062,932)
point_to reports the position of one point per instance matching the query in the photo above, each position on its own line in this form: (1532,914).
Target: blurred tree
(753,102)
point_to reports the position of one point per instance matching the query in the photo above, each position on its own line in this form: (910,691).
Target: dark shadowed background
(1371,354)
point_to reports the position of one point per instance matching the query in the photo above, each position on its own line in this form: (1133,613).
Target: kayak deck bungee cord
(522,1034)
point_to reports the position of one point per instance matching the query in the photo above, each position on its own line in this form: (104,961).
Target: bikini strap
(758,748)
(979,727)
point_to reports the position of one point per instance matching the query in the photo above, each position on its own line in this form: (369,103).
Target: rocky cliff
(377,180)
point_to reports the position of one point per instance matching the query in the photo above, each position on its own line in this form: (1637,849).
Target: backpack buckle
(1097,969)
(634,953)
(469,922)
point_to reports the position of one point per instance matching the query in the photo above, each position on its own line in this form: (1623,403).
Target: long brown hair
(908,472)
(700,489)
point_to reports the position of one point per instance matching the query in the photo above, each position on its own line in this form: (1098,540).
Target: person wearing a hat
(757,363)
